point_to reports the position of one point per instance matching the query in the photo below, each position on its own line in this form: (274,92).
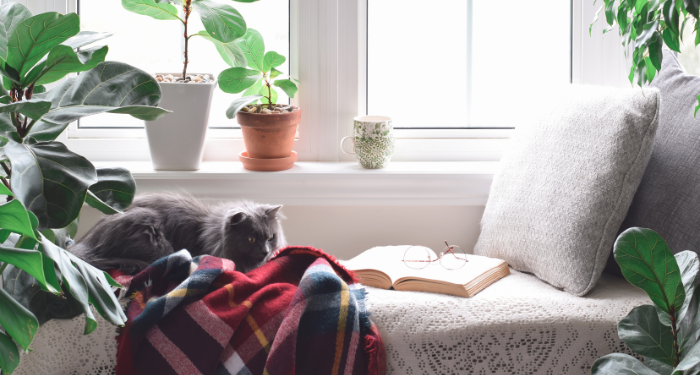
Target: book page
(388,259)
(475,267)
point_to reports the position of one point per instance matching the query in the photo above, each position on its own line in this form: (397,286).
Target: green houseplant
(268,128)
(645,26)
(666,333)
(43,184)
(176,142)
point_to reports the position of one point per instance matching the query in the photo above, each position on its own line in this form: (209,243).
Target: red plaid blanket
(300,313)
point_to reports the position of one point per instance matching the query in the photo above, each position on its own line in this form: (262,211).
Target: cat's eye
(272,238)
(251,239)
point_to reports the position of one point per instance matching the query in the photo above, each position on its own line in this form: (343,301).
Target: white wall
(347,231)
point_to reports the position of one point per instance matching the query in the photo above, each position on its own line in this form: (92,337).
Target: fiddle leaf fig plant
(42,183)
(223,24)
(645,26)
(666,333)
(255,83)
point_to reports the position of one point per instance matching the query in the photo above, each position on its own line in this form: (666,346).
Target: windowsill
(327,183)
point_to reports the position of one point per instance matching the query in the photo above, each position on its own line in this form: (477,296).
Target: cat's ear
(237,218)
(272,212)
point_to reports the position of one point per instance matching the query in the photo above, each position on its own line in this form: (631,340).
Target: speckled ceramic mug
(373,141)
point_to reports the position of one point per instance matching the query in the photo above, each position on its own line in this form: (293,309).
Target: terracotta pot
(269,136)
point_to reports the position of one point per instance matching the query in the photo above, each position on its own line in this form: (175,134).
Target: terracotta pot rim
(271,114)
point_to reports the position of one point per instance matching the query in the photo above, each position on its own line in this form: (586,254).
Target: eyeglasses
(451,257)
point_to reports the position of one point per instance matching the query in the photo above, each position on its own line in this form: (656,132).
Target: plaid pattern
(300,313)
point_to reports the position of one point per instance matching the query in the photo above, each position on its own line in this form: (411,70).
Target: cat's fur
(157,225)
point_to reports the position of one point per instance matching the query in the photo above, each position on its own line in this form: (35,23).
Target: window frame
(328,53)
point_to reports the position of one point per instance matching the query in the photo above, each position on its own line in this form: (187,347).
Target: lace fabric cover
(518,325)
(60,348)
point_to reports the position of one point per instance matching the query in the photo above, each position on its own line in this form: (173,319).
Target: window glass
(157,46)
(463,63)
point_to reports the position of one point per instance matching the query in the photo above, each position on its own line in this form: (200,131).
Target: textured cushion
(566,184)
(518,325)
(668,198)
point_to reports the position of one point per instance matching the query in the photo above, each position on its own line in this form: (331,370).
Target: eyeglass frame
(448,248)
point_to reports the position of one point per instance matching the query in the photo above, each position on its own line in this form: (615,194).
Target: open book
(383,267)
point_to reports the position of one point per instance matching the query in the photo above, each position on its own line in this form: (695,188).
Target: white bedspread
(518,325)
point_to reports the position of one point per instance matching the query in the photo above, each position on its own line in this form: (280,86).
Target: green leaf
(253,90)
(622,16)
(221,21)
(44,131)
(253,47)
(692,7)
(287,86)
(691,359)
(264,92)
(235,80)
(62,61)
(671,40)
(697,107)
(671,16)
(14,217)
(159,11)
(100,292)
(651,70)
(647,263)
(620,364)
(45,306)
(659,367)
(642,331)
(36,36)
(239,103)
(9,355)
(271,60)
(84,38)
(73,280)
(34,108)
(609,12)
(648,33)
(11,14)
(31,262)
(274,73)
(689,328)
(50,180)
(115,189)
(230,52)
(112,87)
(17,321)
(690,266)
(655,53)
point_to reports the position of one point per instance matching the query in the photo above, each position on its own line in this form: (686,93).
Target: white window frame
(328,54)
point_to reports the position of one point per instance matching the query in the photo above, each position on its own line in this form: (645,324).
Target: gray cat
(157,225)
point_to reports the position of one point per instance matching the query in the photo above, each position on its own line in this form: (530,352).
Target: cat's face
(251,237)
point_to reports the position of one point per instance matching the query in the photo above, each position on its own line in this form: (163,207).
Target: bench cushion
(519,325)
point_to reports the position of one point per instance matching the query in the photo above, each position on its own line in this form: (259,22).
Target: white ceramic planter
(176,140)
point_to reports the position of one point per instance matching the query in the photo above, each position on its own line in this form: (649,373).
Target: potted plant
(268,128)
(666,334)
(176,141)
(43,184)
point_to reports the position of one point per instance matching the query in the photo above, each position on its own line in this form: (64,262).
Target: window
(459,63)
(156,47)
(486,60)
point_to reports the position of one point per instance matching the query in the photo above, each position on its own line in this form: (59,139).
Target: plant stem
(7,169)
(187,9)
(674,333)
(269,95)
(2,268)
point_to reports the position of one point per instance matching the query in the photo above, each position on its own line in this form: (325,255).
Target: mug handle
(342,142)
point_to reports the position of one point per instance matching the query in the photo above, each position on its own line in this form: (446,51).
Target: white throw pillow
(567,182)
